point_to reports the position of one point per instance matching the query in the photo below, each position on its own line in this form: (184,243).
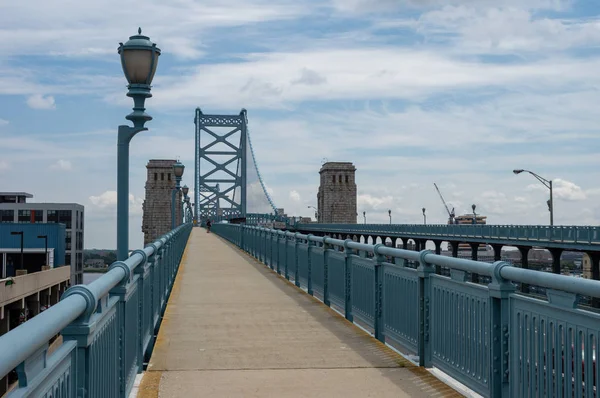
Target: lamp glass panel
(137,64)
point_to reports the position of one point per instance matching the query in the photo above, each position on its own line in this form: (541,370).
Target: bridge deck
(233,328)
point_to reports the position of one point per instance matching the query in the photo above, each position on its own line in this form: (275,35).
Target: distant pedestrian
(208,225)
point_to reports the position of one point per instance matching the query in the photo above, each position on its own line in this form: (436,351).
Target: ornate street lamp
(474,214)
(424,217)
(178,169)
(139,59)
(390,215)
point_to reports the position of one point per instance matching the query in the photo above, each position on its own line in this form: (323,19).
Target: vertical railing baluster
(285,241)
(326,254)
(309,286)
(425,270)
(378,324)
(296,270)
(348,281)
(500,291)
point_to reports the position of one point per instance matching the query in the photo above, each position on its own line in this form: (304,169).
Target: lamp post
(365,216)
(19,233)
(547,184)
(45,237)
(474,214)
(139,58)
(424,217)
(178,169)
(390,215)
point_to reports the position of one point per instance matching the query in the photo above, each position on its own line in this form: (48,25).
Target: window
(38,216)
(155,176)
(52,216)
(346,179)
(7,216)
(169,175)
(333,179)
(67,259)
(81,221)
(79,261)
(340,178)
(64,217)
(24,216)
(68,240)
(76,219)
(162,176)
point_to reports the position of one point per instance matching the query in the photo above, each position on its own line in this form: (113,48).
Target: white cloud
(3,122)
(295,196)
(4,165)
(566,190)
(108,201)
(38,101)
(62,165)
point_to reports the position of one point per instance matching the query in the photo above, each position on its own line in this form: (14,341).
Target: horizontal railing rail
(495,341)
(108,328)
(573,235)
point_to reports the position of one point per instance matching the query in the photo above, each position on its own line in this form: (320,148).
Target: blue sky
(413,92)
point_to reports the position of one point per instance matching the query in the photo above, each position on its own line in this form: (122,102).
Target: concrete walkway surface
(234,328)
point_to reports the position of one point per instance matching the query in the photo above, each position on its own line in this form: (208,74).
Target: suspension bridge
(312,309)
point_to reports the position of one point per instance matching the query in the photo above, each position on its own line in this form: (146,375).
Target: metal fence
(567,235)
(495,341)
(108,328)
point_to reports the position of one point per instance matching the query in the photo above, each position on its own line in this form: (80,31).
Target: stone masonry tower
(337,193)
(160,181)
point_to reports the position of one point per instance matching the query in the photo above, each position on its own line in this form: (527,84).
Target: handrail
(20,343)
(579,286)
(538,233)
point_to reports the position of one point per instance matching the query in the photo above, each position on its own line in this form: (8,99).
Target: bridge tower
(337,193)
(221,163)
(160,181)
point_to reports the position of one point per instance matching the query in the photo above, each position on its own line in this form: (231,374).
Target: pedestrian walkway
(234,328)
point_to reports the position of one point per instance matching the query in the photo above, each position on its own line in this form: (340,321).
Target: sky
(456,92)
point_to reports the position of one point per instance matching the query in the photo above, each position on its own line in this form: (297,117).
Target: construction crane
(451,214)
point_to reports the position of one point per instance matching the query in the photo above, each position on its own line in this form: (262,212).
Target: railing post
(348,281)
(95,374)
(309,287)
(142,273)
(500,291)
(240,241)
(271,239)
(326,248)
(286,237)
(278,251)
(378,323)
(296,270)
(425,270)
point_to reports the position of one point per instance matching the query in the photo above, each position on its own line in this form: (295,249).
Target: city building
(14,208)
(43,246)
(160,181)
(337,193)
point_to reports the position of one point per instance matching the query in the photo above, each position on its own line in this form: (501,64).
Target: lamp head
(473,207)
(518,171)
(139,59)
(423,210)
(185,190)
(390,212)
(178,169)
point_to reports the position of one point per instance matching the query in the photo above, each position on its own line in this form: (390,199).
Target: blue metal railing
(490,338)
(566,235)
(108,328)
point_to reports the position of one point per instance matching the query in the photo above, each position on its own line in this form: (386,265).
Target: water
(90,277)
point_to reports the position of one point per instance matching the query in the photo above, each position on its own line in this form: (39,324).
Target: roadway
(234,328)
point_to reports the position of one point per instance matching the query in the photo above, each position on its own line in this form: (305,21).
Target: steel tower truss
(215,188)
